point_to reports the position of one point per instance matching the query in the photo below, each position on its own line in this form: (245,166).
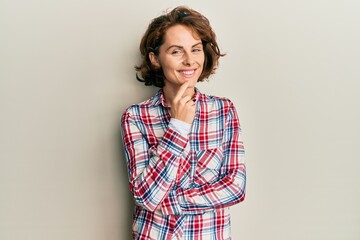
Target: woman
(184,150)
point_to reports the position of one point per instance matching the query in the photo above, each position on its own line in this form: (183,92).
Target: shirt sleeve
(151,169)
(182,127)
(229,188)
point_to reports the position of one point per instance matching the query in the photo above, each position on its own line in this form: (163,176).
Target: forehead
(181,35)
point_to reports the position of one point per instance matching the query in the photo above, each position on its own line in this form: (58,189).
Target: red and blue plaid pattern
(183,186)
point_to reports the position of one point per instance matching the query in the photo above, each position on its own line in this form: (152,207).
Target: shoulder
(134,108)
(138,108)
(216,101)
(221,108)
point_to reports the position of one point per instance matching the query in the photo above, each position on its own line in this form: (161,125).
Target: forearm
(152,170)
(228,190)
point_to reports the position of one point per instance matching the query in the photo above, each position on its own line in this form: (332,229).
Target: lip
(187,72)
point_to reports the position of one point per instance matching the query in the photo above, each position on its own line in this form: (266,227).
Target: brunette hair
(154,38)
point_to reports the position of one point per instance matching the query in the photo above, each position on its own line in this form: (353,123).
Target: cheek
(201,60)
(169,64)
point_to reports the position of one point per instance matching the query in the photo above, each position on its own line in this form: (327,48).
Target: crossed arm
(153,170)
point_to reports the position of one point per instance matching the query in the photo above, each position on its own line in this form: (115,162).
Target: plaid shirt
(183,185)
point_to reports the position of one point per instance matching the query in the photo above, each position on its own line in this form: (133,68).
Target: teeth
(188,72)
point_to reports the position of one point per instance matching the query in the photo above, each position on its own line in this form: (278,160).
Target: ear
(154,60)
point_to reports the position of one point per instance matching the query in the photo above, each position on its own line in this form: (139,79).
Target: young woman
(184,150)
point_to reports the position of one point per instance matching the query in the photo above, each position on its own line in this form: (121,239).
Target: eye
(197,50)
(176,52)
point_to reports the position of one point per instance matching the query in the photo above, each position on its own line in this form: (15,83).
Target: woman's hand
(183,106)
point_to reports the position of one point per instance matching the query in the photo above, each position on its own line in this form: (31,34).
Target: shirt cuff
(180,126)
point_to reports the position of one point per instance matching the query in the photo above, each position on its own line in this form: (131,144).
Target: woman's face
(181,56)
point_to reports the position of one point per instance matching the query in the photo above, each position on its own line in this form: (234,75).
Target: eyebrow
(178,46)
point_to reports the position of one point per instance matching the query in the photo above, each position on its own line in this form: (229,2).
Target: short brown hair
(154,38)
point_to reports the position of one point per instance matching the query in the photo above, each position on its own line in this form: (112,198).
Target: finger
(191,104)
(185,99)
(190,100)
(182,90)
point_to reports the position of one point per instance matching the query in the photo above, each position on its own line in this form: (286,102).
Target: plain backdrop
(67,74)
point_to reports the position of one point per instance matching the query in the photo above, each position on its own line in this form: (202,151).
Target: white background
(66,76)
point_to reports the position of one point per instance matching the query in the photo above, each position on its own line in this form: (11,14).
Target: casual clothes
(184,184)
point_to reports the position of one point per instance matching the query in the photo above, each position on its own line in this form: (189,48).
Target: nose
(188,59)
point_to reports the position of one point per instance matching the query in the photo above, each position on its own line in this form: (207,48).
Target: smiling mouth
(188,73)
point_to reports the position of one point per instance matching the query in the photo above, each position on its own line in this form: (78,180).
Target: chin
(193,82)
